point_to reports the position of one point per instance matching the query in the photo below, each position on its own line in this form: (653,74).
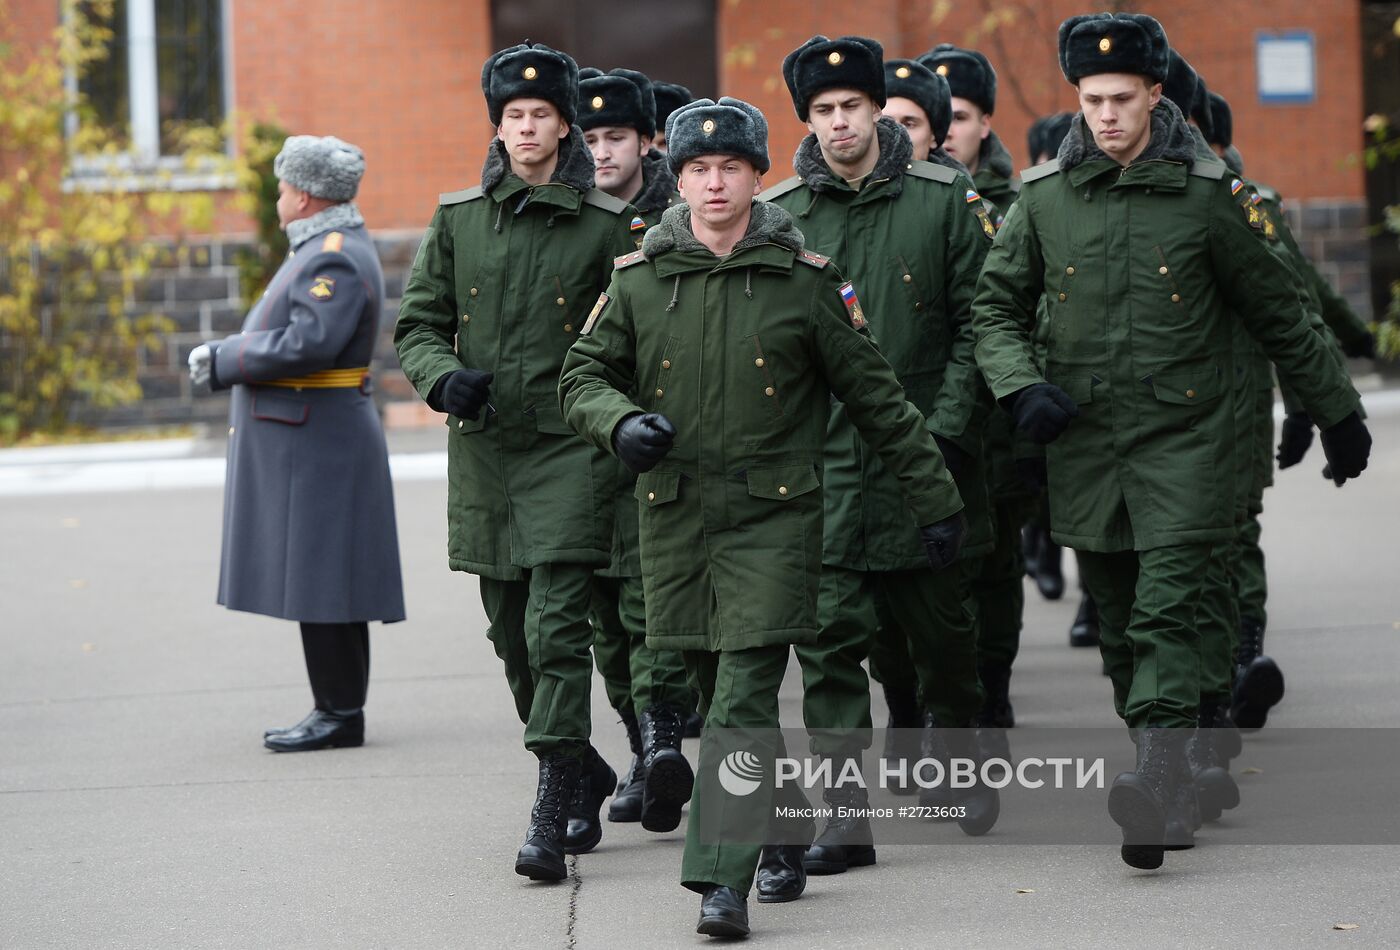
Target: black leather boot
(1084,632)
(541,858)
(1258,680)
(669,779)
(724,912)
(627,803)
(782,877)
(694,724)
(978,806)
(932,746)
(1030,548)
(902,734)
(323,729)
(1184,811)
(846,841)
(1138,801)
(283,730)
(996,691)
(1049,576)
(596,782)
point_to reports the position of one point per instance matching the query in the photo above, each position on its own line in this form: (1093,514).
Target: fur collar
(895,152)
(1171,140)
(658,184)
(574,168)
(993,157)
(339,217)
(940,156)
(768,224)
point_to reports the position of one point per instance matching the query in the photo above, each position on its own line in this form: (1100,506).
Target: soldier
(670,96)
(918,100)
(1130,401)
(499,290)
(1045,135)
(309,530)
(617,113)
(728,336)
(922,238)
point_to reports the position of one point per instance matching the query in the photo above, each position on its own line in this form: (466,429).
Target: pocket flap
(1079,388)
(549,420)
(657,488)
(279,407)
(462,426)
(1187,387)
(782,484)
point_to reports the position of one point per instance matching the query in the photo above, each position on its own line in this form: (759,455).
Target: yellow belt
(350,378)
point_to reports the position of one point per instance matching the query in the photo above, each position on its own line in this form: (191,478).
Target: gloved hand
(1364,348)
(1043,411)
(1295,440)
(642,440)
(201,362)
(465,391)
(943,540)
(1347,446)
(953,456)
(1033,474)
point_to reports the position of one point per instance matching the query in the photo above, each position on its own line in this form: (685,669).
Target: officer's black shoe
(541,858)
(596,781)
(724,912)
(979,806)
(669,779)
(933,746)
(847,841)
(694,724)
(627,803)
(1138,801)
(1258,680)
(283,730)
(782,877)
(323,729)
(1049,577)
(902,734)
(1084,632)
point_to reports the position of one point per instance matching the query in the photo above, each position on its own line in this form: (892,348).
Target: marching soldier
(309,531)
(1148,255)
(706,368)
(499,290)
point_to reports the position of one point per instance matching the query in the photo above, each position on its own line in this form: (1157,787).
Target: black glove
(1364,348)
(943,540)
(642,440)
(1043,411)
(1295,440)
(465,391)
(1033,474)
(953,456)
(1347,446)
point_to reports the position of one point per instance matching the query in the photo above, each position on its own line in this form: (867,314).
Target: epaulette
(627,260)
(333,242)
(813,258)
(1212,168)
(922,169)
(1265,192)
(781,188)
(457,197)
(601,199)
(1043,170)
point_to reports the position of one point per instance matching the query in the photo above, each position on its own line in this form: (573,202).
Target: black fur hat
(670,96)
(1096,43)
(622,97)
(847,62)
(912,80)
(1047,132)
(1221,120)
(530,71)
(727,127)
(970,74)
(1185,87)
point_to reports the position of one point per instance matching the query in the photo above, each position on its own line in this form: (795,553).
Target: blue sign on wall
(1286,67)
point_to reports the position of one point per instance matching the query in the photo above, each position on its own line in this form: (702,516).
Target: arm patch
(595,313)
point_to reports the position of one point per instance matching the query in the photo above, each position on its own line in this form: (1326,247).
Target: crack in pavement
(575,885)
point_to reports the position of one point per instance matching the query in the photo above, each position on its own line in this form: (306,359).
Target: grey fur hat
(622,97)
(727,127)
(847,62)
(670,96)
(530,71)
(323,166)
(912,80)
(1095,43)
(970,74)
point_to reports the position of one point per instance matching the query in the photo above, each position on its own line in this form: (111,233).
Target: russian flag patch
(972,196)
(638,224)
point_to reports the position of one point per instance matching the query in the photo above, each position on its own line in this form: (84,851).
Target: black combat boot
(1184,810)
(1049,576)
(1216,790)
(1138,801)
(668,776)
(1258,680)
(846,841)
(694,724)
(596,782)
(323,729)
(627,803)
(1225,738)
(902,734)
(724,912)
(1031,536)
(933,746)
(541,858)
(977,807)
(782,877)
(1084,632)
(996,716)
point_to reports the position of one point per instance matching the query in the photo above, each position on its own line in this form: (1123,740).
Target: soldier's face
(719,189)
(969,127)
(843,121)
(292,203)
(617,159)
(1117,107)
(531,130)
(912,116)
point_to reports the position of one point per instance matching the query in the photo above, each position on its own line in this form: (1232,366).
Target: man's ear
(564,129)
(758,185)
(643,144)
(1154,95)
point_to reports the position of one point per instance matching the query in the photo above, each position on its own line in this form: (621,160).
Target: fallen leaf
(1346,926)
(1025,890)
(1251,771)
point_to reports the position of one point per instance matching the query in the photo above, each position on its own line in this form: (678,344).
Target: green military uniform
(1142,269)
(740,353)
(503,282)
(912,238)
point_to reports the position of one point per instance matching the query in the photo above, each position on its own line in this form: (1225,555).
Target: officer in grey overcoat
(309,531)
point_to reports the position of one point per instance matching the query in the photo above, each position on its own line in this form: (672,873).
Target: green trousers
(998,591)
(924,612)
(634,675)
(1218,620)
(1251,584)
(1148,603)
(739,698)
(539,627)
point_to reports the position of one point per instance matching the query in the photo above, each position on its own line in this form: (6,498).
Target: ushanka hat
(622,97)
(1047,132)
(1095,43)
(323,166)
(847,62)
(912,80)
(1222,122)
(670,96)
(727,127)
(970,74)
(1185,87)
(530,71)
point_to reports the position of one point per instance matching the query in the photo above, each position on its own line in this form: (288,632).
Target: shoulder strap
(780,189)
(627,260)
(922,169)
(1212,168)
(601,199)
(813,259)
(1043,170)
(457,197)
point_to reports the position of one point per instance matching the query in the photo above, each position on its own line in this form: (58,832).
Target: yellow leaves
(741,56)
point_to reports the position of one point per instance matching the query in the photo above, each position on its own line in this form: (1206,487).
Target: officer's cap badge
(1105,45)
(530,72)
(902,72)
(708,127)
(942,69)
(834,58)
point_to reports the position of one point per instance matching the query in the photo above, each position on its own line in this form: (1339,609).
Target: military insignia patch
(848,297)
(988,228)
(972,196)
(638,224)
(1270,231)
(1256,221)
(322,288)
(1235,186)
(595,313)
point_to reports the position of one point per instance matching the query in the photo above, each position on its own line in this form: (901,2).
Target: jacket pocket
(276,407)
(783,484)
(657,488)
(1079,388)
(464,426)
(1188,387)
(550,421)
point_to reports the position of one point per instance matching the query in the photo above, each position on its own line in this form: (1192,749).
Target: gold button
(466,318)
(1190,394)
(770,391)
(902,72)
(597,102)
(834,58)
(782,489)
(1162,269)
(758,362)
(1176,298)
(568,328)
(530,72)
(651,496)
(474,291)
(230,430)
(559,301)
(1070,270)
(1064,297)
(461,424)
(660,393)
(919,306)
(665,364)
(908,278)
